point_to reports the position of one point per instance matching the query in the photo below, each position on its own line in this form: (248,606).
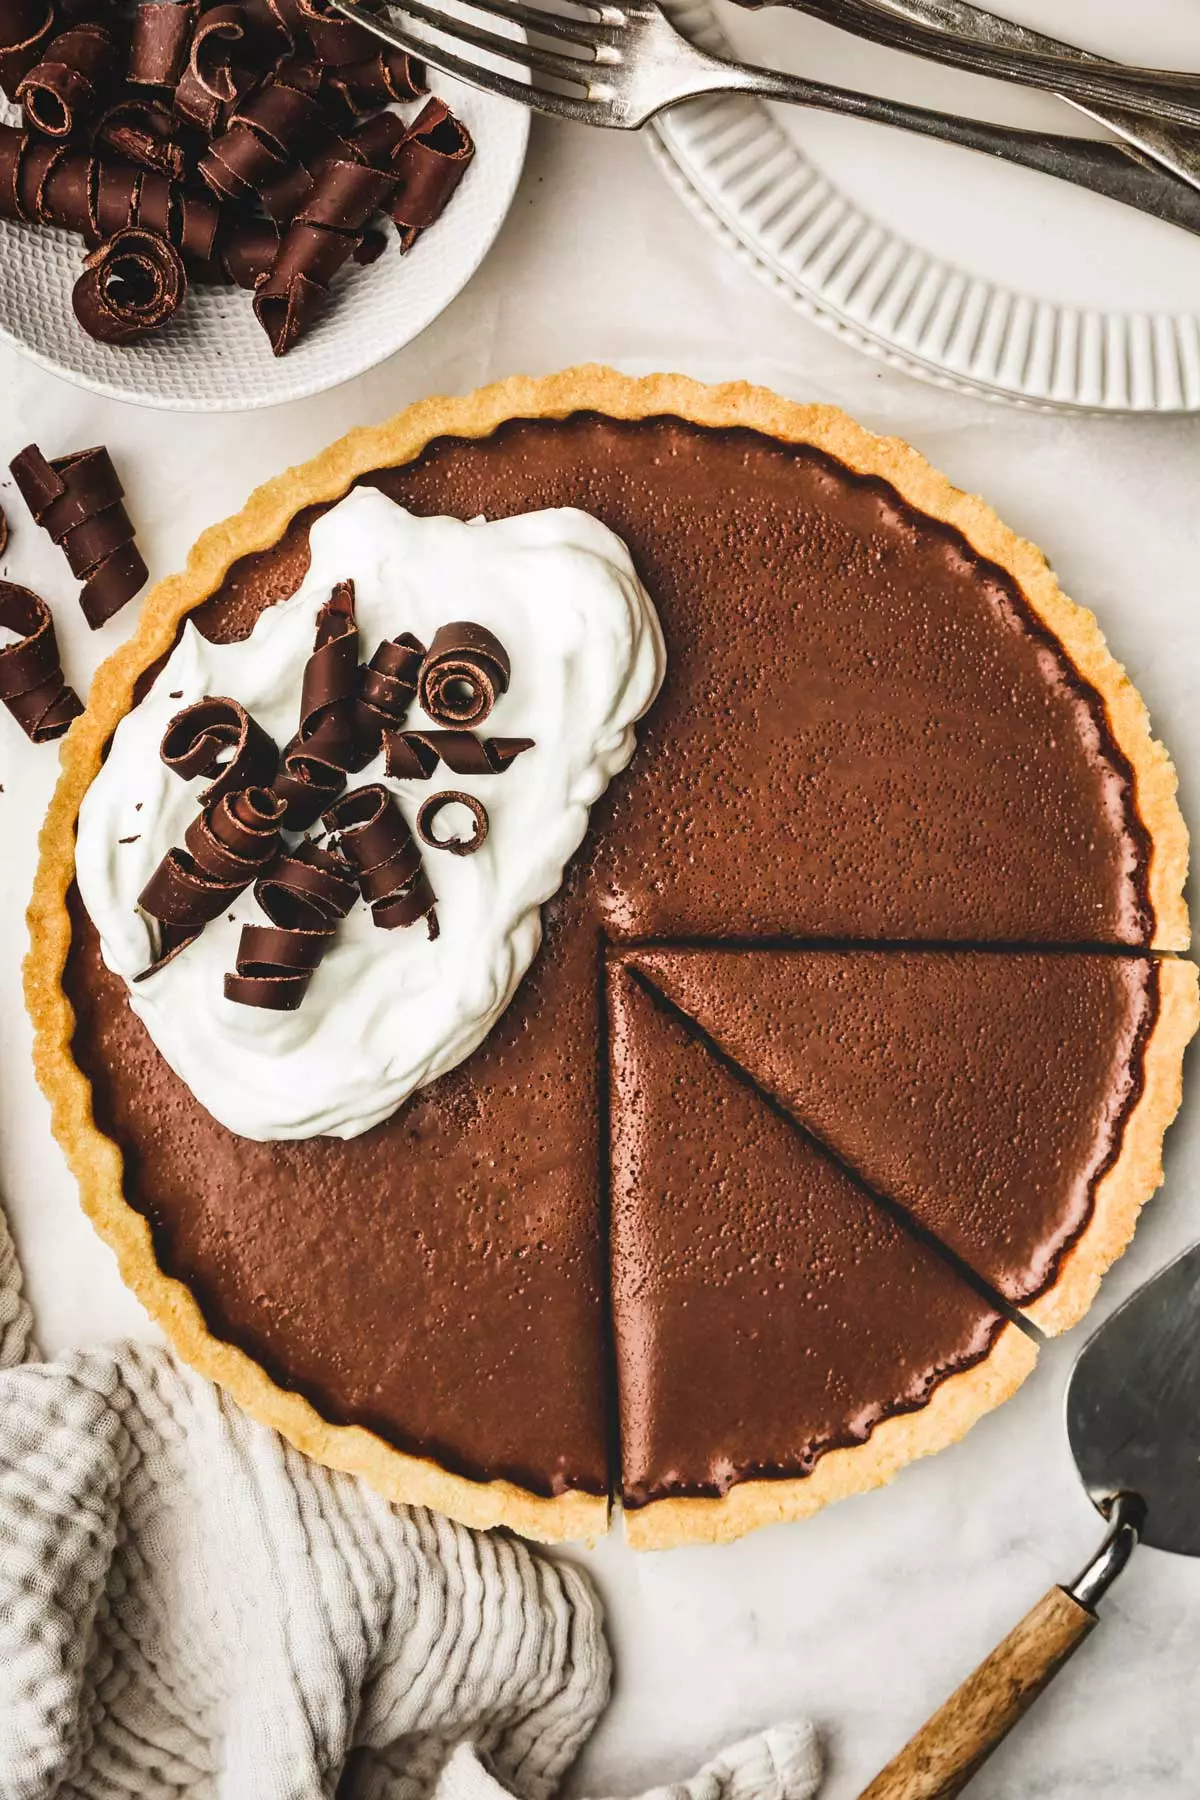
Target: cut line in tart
(883,729)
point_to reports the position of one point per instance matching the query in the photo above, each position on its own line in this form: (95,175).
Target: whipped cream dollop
(386,1011)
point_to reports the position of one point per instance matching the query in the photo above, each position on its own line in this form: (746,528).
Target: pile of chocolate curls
(254,144)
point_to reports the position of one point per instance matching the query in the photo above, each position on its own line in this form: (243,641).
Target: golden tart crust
(96,1161)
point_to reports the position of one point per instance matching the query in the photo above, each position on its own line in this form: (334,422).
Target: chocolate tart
(886,736)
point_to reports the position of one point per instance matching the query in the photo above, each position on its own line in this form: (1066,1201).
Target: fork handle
(1176,148)
(1104,168)
(1162,94)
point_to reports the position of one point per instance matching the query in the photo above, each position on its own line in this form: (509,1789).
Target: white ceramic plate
(214,357)
(968,272)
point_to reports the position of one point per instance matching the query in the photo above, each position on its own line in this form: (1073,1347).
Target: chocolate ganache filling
(865,737)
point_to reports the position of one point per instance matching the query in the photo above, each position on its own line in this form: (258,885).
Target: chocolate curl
(305,897)
(78,500)
(414,755)
(245,253)
(332,38)
(25,29)
(143,132)
(129,287)
(456,846)
(315,763)
(227,847)
(268,134)
(31,677)
(435,157)
(213,80)
(372,835)
(387,687)
(161,38)
(216,736)
(66,89)
(46,184)
(463,675)
(321,238)
(3,532)
(389,74)
(376,143)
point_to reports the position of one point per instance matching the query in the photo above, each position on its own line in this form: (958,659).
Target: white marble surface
(865,1617)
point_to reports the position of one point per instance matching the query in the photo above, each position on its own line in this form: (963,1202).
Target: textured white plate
(214,357)
(967,272)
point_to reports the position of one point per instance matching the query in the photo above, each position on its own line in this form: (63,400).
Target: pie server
(1133,1420)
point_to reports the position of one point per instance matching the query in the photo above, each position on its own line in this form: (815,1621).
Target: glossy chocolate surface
(765,1309)
(985,1092)
(862,734)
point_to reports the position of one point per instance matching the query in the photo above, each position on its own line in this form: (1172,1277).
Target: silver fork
(952,31)
(626,62)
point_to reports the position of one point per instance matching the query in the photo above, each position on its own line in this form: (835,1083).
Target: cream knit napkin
(188,1607)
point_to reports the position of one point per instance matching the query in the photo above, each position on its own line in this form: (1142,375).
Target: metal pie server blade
(1133,1407)
(1133,1420)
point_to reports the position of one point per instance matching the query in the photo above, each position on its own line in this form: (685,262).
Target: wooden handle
(953,1745)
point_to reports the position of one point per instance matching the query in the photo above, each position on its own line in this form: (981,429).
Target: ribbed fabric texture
(188,1607)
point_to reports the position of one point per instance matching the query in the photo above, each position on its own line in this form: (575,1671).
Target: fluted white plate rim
(214,357)
(753,187)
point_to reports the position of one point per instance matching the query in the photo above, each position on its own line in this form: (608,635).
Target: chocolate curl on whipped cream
(414,755)
(387,687)
(320,239)
(229,845)
(465,671)
(437,152)
(268,134)
(315,764)
(457,846)
(217,737)
(371,833)
(66,88)
(78,500)
(31,677)
(129,287)
(305,897)
(160,40)
(26,27)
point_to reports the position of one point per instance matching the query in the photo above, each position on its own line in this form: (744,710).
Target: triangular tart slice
(780,1340)
(1013,1102)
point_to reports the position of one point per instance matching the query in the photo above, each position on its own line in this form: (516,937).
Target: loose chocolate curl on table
(457,846)
(465,671)
(217,737)
(436,155)
(26,27)
(31,678)
(414,755)
(129,287)
(78,500)
(315,764)
(226,847)
(371,833)
(305,896)
(388,685)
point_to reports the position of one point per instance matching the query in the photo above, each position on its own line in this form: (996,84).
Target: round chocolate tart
(843,1068)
